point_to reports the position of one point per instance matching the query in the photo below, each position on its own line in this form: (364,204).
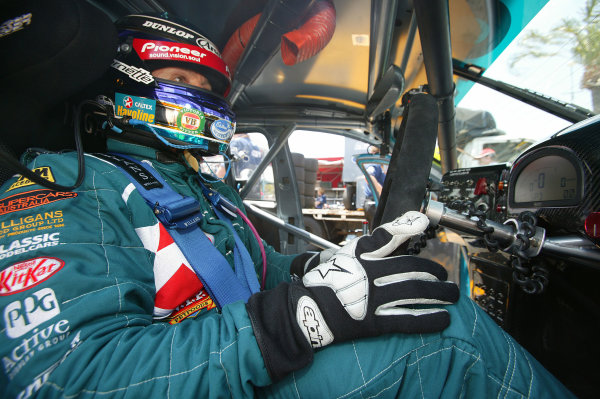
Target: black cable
(12,163)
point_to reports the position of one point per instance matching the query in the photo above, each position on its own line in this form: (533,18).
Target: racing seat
(37,76)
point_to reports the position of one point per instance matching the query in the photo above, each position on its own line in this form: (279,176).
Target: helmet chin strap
(12,163)
(194,162)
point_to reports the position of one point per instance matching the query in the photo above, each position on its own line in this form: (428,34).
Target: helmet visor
(181,113)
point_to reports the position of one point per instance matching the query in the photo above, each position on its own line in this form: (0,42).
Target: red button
(592,225)
(481,186)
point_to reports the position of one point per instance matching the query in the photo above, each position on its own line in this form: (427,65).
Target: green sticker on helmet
(190,121)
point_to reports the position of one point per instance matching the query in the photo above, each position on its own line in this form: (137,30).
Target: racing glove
(308,261)
(358,292)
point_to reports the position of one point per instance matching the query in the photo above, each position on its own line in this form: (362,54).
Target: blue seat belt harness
(180,215)
(226,210)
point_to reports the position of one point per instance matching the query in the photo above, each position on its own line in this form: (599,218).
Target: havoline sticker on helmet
(222,129)
(190,121)
(142,109)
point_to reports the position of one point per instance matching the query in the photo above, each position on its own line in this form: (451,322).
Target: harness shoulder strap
(180,215)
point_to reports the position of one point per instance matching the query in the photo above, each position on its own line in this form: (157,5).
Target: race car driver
(102,293)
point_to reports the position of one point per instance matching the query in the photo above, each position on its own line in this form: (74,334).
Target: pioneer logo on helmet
(155,50)
(171,49)
(167,29)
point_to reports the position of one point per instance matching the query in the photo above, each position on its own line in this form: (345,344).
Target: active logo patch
(24,275)
(22,181)
(32,199)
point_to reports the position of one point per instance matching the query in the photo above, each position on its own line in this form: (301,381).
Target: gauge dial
(551,179)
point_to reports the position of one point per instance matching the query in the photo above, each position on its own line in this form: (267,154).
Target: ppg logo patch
(23,316)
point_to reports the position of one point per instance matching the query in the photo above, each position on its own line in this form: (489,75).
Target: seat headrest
(53,48)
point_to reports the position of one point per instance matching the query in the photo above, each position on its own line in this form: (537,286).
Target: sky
(558,76)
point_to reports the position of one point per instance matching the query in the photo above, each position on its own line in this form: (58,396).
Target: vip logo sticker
(43,171)
(20,317)
(24,275)
(191,121)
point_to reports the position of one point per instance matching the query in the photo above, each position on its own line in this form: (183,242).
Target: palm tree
(584,33)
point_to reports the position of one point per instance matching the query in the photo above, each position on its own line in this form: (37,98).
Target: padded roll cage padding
(408,173)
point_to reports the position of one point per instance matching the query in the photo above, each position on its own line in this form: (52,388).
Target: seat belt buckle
(222,204)
(180,214)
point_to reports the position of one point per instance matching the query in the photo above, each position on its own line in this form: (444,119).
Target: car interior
(520,236)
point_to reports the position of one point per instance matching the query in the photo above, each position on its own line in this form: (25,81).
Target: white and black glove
(358,292)
(307,261)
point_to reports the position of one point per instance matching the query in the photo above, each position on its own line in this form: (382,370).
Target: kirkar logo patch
(32,199)
(24,275)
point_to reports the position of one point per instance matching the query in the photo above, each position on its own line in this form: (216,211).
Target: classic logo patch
(43,171)
(29,244)
(32,199)
(24,275)
(190,121)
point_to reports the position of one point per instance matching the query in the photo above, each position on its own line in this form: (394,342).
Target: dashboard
(549,177)
(558,180)
(538,284)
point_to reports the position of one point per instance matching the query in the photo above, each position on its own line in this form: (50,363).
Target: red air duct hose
(297,45)
(305,42)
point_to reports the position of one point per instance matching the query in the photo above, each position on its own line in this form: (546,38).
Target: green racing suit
(98,302)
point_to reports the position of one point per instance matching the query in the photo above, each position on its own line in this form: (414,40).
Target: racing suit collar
(144,152)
